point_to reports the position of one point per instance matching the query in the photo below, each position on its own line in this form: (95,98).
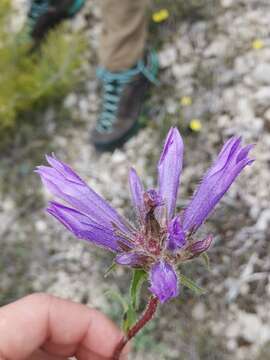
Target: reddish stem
(133,331)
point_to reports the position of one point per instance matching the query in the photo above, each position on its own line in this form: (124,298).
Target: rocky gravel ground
(215,69)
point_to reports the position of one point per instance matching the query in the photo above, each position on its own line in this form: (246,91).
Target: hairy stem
(133,331)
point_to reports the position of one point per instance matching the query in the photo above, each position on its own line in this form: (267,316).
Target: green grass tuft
(29,79)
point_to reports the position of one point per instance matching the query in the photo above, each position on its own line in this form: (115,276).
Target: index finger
(62,327)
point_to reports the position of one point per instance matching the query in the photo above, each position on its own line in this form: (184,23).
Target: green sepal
(206,260)
(138,278)
(110,269)
(191,285)
(130,316)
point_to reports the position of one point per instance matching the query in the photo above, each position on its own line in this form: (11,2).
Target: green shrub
(30,79)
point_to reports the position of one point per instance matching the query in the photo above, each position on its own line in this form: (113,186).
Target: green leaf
(206,260)
(138,279)
(191,285)
(119,298)
(130,316)
(110,269)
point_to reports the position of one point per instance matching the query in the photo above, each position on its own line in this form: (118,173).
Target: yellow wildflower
(186,101)
(160,15)
(257,44)
(195,125)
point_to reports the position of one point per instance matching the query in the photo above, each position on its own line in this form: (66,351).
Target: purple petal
(230,162)
(83,227)
(132,259)
(228,148)
(244,152)
(137,190)
(201,246)
(164,282)
(64,183)
(169,170)
(176,236)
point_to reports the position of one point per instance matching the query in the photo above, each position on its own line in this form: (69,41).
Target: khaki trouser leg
(124,33)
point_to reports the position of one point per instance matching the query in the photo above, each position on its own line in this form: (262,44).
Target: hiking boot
(44,15)
(122,100)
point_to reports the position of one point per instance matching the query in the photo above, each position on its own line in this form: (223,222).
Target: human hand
(44,327)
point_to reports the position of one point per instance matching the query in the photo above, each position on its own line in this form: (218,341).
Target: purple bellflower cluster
(161,238)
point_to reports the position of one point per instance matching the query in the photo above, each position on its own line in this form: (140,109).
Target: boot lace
(113,85)
(37,9)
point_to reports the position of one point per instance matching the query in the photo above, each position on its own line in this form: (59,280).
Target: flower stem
(133,331)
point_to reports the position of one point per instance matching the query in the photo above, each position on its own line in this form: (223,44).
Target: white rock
(254,212)
(41,226)
(248,326)
(184,47)
(242,65)
(267,114)
(118,156)
(232,345)
(268,288)
(233,330)
(180,71)
(252,329)
(264,220)
(245,110)
(227,3)
(21,8)
(257,126)
(84,106)
(244,289)
(78,22)
(8,205)
(70,101)
(223,121)
(171,106)
(167,57)
(261,73)
(93,102)
(265,53)
(199,311)
(219,47)
(226,77)
(262,96)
